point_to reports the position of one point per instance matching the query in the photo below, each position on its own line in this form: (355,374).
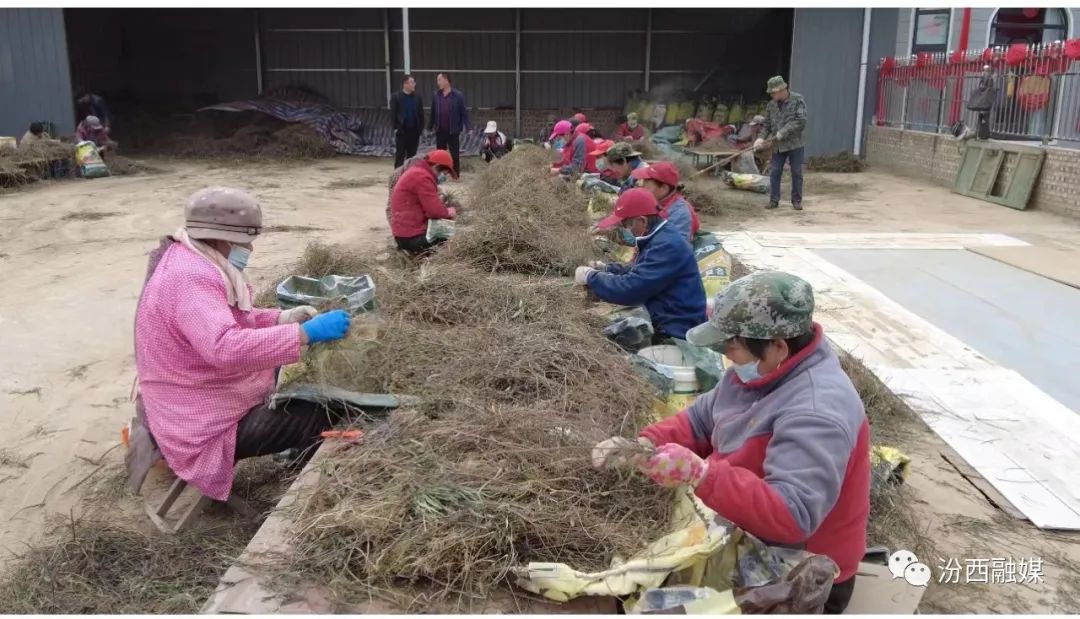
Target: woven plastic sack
(89,160)
(714,264)
(659,113)
(736,114)
(720,116)
(439,230)
(747,182)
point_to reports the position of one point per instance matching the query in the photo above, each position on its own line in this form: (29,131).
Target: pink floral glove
(675,465)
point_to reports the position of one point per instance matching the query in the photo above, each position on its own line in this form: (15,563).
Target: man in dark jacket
(407,113)
(664,277)
(89,104)
(449,117)
(416,199)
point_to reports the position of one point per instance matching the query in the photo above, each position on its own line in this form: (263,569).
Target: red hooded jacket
(676,202)
(414,201)
(788,454)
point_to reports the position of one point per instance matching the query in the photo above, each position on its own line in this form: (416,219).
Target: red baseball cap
(662,172)
(601,147)
(443,158)
(637,202)
(583,128)
(579,117)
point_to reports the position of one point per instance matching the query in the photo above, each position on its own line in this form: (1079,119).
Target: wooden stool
(160,513)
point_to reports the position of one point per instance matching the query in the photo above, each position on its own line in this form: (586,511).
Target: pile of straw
(491,469)
(706,196)
(520,220)
(26,165)
(292,141)
(839,162)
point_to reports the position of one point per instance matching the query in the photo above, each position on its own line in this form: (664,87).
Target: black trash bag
(985,95)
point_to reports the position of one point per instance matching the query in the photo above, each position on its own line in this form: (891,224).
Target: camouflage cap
(763,305)
(621,150)
(776,83)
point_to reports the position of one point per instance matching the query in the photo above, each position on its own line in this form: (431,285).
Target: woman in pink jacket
(207,359)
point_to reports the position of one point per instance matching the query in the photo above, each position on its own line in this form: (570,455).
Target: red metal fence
(1038,90)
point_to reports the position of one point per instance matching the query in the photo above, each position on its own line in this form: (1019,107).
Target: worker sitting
(662,180)
(577,119)
(781,446)
(495,143)
(664,276)
(619,162)
(207,358)
(91,130)
(560,136)
(630,131)
(35,135)
(577,155)
(416,199)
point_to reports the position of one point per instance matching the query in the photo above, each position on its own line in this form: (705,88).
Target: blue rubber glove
(327,327)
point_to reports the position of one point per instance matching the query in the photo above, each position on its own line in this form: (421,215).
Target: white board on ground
(1023,442)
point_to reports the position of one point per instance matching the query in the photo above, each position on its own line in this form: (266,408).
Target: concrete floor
(1020,320)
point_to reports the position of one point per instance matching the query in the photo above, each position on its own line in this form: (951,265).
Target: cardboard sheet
(1059,264)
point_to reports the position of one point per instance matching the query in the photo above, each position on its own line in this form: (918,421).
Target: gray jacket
(786,121)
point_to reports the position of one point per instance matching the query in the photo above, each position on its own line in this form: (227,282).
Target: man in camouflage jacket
(785,119)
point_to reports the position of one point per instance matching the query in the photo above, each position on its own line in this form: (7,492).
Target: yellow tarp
(687,548)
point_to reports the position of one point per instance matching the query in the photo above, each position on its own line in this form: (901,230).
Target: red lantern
(1072,49)
(1016,54)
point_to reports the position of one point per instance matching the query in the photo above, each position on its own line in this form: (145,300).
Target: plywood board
(1007,314)
(883,240)
(1022,441)
(878,593)
(1057,263)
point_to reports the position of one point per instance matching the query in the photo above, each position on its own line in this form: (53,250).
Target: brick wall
(936,158)
(1058,189)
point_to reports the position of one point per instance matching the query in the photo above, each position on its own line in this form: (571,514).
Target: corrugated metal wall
(825,57)
(339,52)
(34,80)
(589,58)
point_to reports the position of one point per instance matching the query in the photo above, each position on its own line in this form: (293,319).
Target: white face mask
(748,372)
(238,256)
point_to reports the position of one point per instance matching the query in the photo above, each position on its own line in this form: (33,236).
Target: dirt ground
(72,261)
(73,256)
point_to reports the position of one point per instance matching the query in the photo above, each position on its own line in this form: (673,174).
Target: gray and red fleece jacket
(789,454)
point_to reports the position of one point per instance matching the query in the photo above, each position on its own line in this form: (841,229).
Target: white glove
(598,265)
(758,143)
(619,452)
(303,313)
(581,275)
